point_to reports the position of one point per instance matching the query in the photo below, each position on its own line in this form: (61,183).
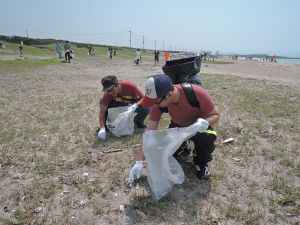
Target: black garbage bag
(184,70)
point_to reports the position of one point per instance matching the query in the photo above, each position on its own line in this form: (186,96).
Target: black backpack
(184,72)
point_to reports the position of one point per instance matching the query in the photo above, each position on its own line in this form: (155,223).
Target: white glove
(136,171)
(133,107)
(102,134)
(202,125)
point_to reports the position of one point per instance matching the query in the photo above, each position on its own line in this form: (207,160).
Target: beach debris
(82,203)
(85,174)
(236,159)
(122,208)
(73,140)
(135,145)
(16,176)
(64,192)
(38,209)
(113,150)
(228,140)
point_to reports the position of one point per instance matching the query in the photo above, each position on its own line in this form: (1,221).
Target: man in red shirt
(161,93)
(118,94)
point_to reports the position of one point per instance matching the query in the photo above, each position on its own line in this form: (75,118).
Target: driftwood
(119,150)
(113,150)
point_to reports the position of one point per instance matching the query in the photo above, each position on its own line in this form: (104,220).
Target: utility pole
(130,38)
(155,44)
(26,33)
(163,46)
(143,42)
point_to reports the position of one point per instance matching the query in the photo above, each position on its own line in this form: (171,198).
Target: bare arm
(151,125)
(103,109)
(212,117)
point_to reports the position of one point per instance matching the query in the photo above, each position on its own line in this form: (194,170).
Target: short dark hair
(109,81)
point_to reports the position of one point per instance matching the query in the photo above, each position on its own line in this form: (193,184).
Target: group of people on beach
(69,54)
(163,95)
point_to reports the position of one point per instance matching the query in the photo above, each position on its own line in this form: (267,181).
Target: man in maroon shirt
(118,94)
(161,93)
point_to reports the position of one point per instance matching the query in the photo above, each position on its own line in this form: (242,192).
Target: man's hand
(202,125)
(102,134)
(133,107)
(136,172)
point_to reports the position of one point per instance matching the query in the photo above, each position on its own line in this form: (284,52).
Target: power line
(138,40)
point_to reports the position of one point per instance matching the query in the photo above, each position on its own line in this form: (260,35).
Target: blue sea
(293,61)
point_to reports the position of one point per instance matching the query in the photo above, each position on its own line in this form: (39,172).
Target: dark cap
(109,81)
(157,86)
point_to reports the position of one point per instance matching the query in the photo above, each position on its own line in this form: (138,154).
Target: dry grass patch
(50,156)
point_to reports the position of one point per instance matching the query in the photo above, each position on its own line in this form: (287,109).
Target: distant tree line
(33,41)
(26,41)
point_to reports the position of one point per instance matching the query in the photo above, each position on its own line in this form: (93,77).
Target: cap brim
(147,102)
(110,87)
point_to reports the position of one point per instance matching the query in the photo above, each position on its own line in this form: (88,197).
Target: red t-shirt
(183,114)
(129,94)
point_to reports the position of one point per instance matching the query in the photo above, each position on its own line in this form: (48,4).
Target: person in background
(21,49)
(156,57)
(110,53)
(67,48)
(161,93)
(167,56)
(138,56)
(118,94)
(58,50)
(89,50)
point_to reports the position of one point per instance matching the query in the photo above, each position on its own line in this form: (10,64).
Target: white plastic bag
(163,170)
(120,121)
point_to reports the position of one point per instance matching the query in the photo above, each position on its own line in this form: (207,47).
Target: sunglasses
(111,89)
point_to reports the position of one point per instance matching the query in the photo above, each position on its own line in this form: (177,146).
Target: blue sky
(228,26)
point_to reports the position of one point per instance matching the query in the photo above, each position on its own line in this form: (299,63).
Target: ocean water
(293,61)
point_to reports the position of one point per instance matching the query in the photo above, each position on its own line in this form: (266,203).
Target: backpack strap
(190,94)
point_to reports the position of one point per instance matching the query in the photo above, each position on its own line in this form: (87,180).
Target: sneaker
(203,172)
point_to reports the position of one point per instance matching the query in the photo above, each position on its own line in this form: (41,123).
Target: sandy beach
(282,73)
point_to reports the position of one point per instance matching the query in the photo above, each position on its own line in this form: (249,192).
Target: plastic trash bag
(184,70)
(120,121)
(72,55)
(163,170)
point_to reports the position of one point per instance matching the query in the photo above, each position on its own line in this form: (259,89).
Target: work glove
(133,107)
(136,172)
(202,125)
(102,134)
